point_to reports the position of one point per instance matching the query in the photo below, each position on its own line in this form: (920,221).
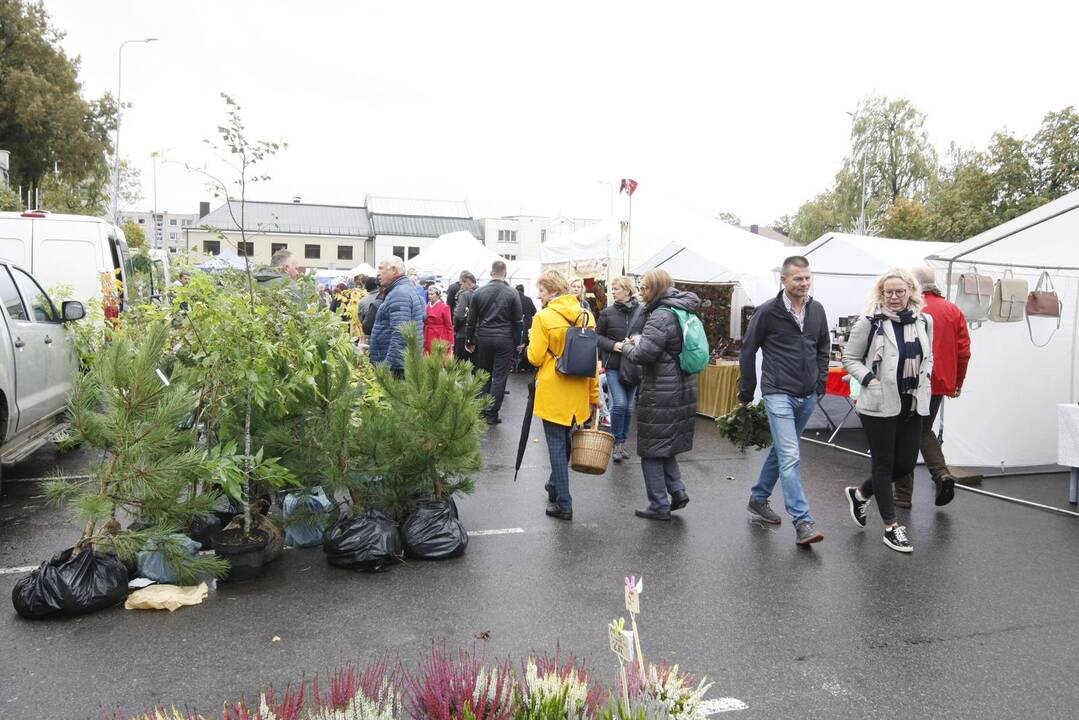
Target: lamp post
(119,115)
(610,187)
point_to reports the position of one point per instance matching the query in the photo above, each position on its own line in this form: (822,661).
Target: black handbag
(581,353)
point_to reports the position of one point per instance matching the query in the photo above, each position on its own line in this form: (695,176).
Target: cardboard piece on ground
(166,597)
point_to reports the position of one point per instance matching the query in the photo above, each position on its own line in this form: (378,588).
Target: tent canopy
(362,269)
(599,241)
(455,252)
(844,254)
(225,261)
(1042,239)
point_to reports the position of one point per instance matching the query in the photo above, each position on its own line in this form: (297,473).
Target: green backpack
(694,356)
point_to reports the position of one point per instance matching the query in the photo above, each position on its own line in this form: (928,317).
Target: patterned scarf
(912,348)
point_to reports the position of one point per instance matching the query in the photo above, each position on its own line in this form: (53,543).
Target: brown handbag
(1043,301)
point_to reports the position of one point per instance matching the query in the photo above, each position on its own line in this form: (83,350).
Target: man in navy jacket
(400,305)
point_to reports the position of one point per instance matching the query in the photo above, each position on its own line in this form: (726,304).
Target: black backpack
(582,349)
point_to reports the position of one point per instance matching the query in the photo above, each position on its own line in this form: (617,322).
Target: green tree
(136,238)
(817,217)
(92,194)
(1054,153)
(906,219)
(891,137)
(729,218)
(44,121)
(9,199)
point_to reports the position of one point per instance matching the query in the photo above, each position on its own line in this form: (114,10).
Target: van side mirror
(73,310)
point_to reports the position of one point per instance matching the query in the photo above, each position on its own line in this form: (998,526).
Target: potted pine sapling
(126,408)
(423,445)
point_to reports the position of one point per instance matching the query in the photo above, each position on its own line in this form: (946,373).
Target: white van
(84,252)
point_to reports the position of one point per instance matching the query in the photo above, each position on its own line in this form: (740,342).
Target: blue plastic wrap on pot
(154,563)
(305,517)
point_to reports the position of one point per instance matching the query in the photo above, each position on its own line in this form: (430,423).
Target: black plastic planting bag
(66,585)
(433,532)
(369,542)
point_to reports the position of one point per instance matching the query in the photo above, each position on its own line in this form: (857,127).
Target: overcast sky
(523,107)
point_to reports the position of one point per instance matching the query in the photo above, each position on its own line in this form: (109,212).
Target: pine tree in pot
(423,446)
(128,409)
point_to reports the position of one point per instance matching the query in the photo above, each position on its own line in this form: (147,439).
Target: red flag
(627,186)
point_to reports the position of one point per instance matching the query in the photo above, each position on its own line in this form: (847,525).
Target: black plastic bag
(433,532)
(369,542)
(203,530)
(66,585)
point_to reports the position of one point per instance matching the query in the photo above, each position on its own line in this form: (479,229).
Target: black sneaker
(896,539)
(945,490)
(857,507)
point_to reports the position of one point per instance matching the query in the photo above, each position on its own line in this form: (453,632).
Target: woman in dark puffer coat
(667,405)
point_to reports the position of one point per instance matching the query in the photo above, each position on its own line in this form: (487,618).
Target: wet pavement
(981,621)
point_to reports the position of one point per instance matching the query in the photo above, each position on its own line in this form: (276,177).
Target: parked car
(38,363)
(87,253)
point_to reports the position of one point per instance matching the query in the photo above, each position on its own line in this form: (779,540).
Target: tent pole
(629,232)
(1075,331)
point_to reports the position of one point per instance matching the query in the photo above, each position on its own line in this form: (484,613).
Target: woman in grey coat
(667,405)
(890,352)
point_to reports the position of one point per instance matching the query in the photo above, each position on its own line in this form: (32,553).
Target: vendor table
(1068,445)
(838,386)
(717,389)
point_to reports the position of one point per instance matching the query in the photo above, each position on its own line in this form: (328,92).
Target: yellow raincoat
(561,399)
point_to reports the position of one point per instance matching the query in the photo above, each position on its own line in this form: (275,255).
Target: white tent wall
(1007,414)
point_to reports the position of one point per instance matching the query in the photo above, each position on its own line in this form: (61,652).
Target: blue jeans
(558,447)
(787,417)
(623,398)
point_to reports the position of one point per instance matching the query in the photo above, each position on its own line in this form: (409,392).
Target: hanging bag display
(1009,299)
(1043,301)
(974,295)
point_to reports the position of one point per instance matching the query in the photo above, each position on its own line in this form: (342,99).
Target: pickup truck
(38,363)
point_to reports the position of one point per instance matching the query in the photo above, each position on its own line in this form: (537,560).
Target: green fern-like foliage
(423,440)
(124,409)
(746,425)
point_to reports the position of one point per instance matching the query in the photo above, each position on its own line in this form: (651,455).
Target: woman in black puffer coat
(667,405)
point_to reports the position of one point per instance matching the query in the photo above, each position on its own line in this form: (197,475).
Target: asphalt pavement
(981,621)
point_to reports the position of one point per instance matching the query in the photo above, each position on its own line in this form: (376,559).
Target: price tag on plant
(634,586)
(621,642)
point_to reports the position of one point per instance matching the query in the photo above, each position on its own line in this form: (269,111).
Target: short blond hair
(553,282)
(627,282)
(915,299)
(657,280)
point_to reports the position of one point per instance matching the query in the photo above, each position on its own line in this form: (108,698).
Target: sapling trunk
(249,480)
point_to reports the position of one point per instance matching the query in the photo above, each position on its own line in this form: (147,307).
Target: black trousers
(893,443)
(495,355)
(459,351)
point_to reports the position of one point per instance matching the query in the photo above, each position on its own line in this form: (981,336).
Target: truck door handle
(19,343)
(48,340)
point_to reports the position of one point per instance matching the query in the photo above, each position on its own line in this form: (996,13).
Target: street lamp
(610,187)
(119,115)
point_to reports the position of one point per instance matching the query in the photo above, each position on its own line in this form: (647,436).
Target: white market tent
(846,266)
(455,252)
(585,252)
(714,252)
(1007,415)
(363,269)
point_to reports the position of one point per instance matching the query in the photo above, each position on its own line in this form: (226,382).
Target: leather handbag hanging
(1009,299)
(581,351)
(974,295)
(1043,301)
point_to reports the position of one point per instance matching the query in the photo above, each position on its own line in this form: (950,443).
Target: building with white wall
(406,226)
(518,237)
(333,237)
(163,230)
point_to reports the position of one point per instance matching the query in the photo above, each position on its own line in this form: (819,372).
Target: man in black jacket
(528,311)
(493,334)
(466,286)
(792,330)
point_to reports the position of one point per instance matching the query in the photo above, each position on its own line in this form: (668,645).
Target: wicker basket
(591,449)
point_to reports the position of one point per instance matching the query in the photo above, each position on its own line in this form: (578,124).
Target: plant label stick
(634,586)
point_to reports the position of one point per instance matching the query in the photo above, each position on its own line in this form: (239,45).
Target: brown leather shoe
(945,490)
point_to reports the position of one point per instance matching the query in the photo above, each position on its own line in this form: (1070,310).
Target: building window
(399,251)
(312,252)
(245,249)
(186,222)
(172,221)
(344,252)
(412,252)
(507,236)
(172,236)
(509,257)
(274,247)
(142,221)
(543,236)
(211,247)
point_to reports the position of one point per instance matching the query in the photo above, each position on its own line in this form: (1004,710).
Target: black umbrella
(526,426)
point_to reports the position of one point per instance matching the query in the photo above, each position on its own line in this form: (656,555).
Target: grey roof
(294,218)
(381,205)
(413,226)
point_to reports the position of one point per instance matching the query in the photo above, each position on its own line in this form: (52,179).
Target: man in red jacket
(951,353)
